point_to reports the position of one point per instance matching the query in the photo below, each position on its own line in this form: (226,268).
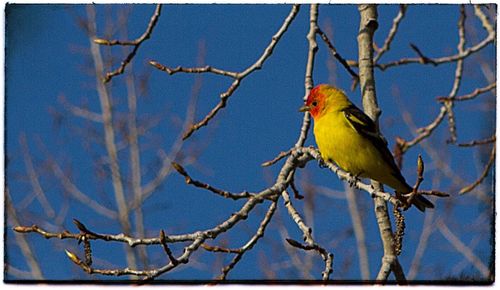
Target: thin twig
(280,156)
(481,178)
(166,248)
(220,249)
(427,229)
(72,189)
(463,249)
(238,77)
(136,43)
(34,179)
(335,53)
(392,32)
(22,242)
(205,69)
(249,245)
(436,61)
(308,79)
(472,95)
(484,19)
(206,186)
(478,142)
(80,112)
(458,78)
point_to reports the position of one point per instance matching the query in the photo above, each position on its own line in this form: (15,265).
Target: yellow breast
(339,142)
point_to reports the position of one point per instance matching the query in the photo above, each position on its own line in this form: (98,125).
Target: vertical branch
(458,77)
(427,229)
(313,48)
(367,27)
(109,134)
(359,232)
(34,179)
(135,161)
(22,243)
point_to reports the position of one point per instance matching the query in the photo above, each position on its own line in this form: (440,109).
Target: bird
(347,136)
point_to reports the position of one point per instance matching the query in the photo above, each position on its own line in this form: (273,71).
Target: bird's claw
(353,179)
(321,163)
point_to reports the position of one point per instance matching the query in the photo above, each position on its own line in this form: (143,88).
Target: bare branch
(220,249)
(206,186)
(392,32)
(109,135)
(249,245)
(359,232)
(458,77)
(427,229)
(136,43)
(80,112)
(73,190)
(22,243)
(334,52)
(441,60)
(478,142)
(481,178)
(34,179)
(205,69)
(484,20)
(280,156)
(463,249)
(238,77)
(367,26)
(320,250)
(423,132)
(308,80)
(472,95)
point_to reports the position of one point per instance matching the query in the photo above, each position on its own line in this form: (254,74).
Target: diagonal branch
(249,245)
(334,52)
(463,249)
(135,43)
(392,32)
(481,178)
(238,77)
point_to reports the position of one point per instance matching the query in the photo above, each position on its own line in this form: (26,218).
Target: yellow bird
(348,137)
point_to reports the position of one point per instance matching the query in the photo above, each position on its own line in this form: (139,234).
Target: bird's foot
(321,163)
(353,179)
(406,199)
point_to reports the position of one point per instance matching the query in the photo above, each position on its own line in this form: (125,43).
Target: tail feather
(422,203)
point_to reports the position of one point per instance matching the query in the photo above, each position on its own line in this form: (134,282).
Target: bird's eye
(314,104)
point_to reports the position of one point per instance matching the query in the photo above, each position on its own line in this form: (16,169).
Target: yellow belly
(339,142)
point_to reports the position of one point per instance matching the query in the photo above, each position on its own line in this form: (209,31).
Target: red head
(316,100)
(324,98)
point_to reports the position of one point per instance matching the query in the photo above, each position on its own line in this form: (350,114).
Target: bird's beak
(305,108)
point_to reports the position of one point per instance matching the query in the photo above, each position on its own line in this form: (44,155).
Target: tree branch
(135,43)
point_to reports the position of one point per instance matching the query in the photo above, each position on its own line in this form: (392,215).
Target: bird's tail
(422,203)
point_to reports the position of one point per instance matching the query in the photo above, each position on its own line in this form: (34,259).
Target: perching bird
(348,137)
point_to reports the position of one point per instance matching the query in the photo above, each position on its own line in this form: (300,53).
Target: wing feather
(364,125)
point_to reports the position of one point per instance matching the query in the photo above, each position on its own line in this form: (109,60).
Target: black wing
(364,125)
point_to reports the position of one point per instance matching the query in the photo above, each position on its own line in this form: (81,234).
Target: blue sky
(47,56)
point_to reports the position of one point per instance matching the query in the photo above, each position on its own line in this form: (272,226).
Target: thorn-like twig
(335,53)
(280,156)
(483,176)
(135,43)
(392,32)
(206,186)
(166,248)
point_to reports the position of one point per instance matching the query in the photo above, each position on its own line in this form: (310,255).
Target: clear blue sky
(47,56)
